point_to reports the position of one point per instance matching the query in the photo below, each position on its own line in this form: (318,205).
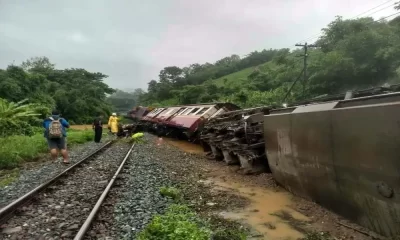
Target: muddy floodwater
(185,146)
(269,212)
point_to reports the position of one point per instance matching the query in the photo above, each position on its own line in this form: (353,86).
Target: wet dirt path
(268,213)
(272,212)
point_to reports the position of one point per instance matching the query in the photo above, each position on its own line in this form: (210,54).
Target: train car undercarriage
(237,138)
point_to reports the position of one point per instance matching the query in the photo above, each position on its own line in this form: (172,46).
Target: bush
(229,234)
(16,149)
(178,223)
(171,192)
(10,128)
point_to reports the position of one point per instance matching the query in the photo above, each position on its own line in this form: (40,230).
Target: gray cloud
(131,40)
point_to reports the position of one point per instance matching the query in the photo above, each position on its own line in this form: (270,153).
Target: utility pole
(306,46)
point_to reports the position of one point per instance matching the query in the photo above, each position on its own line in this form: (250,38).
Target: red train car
(181,121)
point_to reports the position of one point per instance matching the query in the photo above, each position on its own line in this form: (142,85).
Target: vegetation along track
(59,207)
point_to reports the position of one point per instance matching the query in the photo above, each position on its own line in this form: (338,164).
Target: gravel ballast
(134,199)
(59,211)
(31,177)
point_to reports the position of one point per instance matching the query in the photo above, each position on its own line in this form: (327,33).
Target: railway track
(65,206)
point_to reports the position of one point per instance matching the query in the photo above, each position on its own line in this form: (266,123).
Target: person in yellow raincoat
(113,123)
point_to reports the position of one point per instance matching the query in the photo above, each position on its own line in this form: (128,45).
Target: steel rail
(85,226)
(7,210)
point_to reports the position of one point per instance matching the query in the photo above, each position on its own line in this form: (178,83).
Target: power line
(373,8)
(386,17)
(317,35)
(383,18)
(381,9)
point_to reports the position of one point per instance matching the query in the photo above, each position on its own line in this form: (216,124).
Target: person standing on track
(113,124)
(98,128)
(56,135)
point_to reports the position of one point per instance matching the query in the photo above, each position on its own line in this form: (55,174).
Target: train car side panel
(366,142)
(346,159)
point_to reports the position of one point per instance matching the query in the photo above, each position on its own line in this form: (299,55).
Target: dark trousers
(98,131)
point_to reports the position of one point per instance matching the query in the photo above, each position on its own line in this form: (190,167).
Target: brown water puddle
(269,212)
(185,146)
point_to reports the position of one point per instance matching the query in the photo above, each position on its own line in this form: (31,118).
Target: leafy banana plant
(21,110)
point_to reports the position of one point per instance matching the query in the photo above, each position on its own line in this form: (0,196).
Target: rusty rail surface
(7,211)
(86,225)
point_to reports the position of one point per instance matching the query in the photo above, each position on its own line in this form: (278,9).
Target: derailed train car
(183,122)
(342,154)
(236,137)
(339,151)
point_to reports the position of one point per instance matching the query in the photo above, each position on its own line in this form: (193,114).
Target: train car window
(198,110)
(194,111)
(184,110)
(153,112)
(181,111)
(169,111)
(159,110)
(187,112)
(173,111)
(202,111)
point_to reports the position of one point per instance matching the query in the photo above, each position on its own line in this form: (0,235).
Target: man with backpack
(56,134)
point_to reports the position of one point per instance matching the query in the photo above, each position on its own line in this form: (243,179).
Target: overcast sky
(132,40)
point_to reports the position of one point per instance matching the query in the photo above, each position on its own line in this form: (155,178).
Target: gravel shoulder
(33,174)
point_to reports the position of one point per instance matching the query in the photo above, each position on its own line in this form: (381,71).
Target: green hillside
(233,79)
(352,54)
(239,78)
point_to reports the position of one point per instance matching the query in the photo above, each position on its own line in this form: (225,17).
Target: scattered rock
(66,234)
(11,230)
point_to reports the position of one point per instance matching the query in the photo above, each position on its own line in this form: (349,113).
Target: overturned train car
(236,137)
(339,151)
(344,155)
(183,122)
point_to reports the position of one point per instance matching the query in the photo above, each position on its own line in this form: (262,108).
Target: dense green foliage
(19,118)
(76,93)
(351,54)
(16,149)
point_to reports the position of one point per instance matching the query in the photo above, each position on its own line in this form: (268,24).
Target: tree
(171,74)
(77,93)
(397,6)
(38,65)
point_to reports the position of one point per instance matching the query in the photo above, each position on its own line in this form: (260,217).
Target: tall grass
(14,150)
